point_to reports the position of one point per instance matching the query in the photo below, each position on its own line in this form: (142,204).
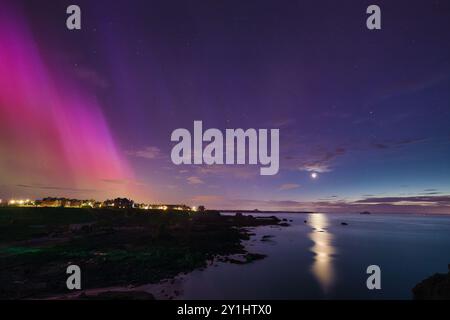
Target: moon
(314,175)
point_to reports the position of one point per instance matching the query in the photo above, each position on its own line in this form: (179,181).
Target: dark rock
(254,256)
(344,224)
(247,258)
(436,287)
(184,241)
(266,237)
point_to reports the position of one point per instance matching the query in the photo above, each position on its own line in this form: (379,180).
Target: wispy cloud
(124,182)
(429,200)
(316,167)
(208,198)
(149,152)
(194,180)
(397,144)
(288,186)
(323,162)
(412,204)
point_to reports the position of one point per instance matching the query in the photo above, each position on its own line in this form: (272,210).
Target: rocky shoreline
(435,287)
(114,248)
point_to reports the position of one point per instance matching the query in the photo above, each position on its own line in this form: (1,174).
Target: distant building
(98,204)
(74,203)
(51,202)
(120,203)
(64,202)
(180,207)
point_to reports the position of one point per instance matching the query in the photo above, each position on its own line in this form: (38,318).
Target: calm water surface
(322,259)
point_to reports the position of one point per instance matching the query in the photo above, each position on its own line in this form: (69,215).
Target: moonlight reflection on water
(323,248)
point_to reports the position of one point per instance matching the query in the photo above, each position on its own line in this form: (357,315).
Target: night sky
(89,113)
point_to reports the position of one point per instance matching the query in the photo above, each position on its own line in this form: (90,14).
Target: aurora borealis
(53,133)
(88,113)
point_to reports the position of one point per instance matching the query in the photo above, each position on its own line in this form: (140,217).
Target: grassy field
(112,247)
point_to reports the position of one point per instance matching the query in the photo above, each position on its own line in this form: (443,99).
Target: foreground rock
(436,287)
(114,247)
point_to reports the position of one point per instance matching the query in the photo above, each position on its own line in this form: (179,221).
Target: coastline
(116,248)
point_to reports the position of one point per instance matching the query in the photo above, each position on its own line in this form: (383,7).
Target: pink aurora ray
(51,132)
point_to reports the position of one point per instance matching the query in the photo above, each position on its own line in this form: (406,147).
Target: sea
(326,256)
